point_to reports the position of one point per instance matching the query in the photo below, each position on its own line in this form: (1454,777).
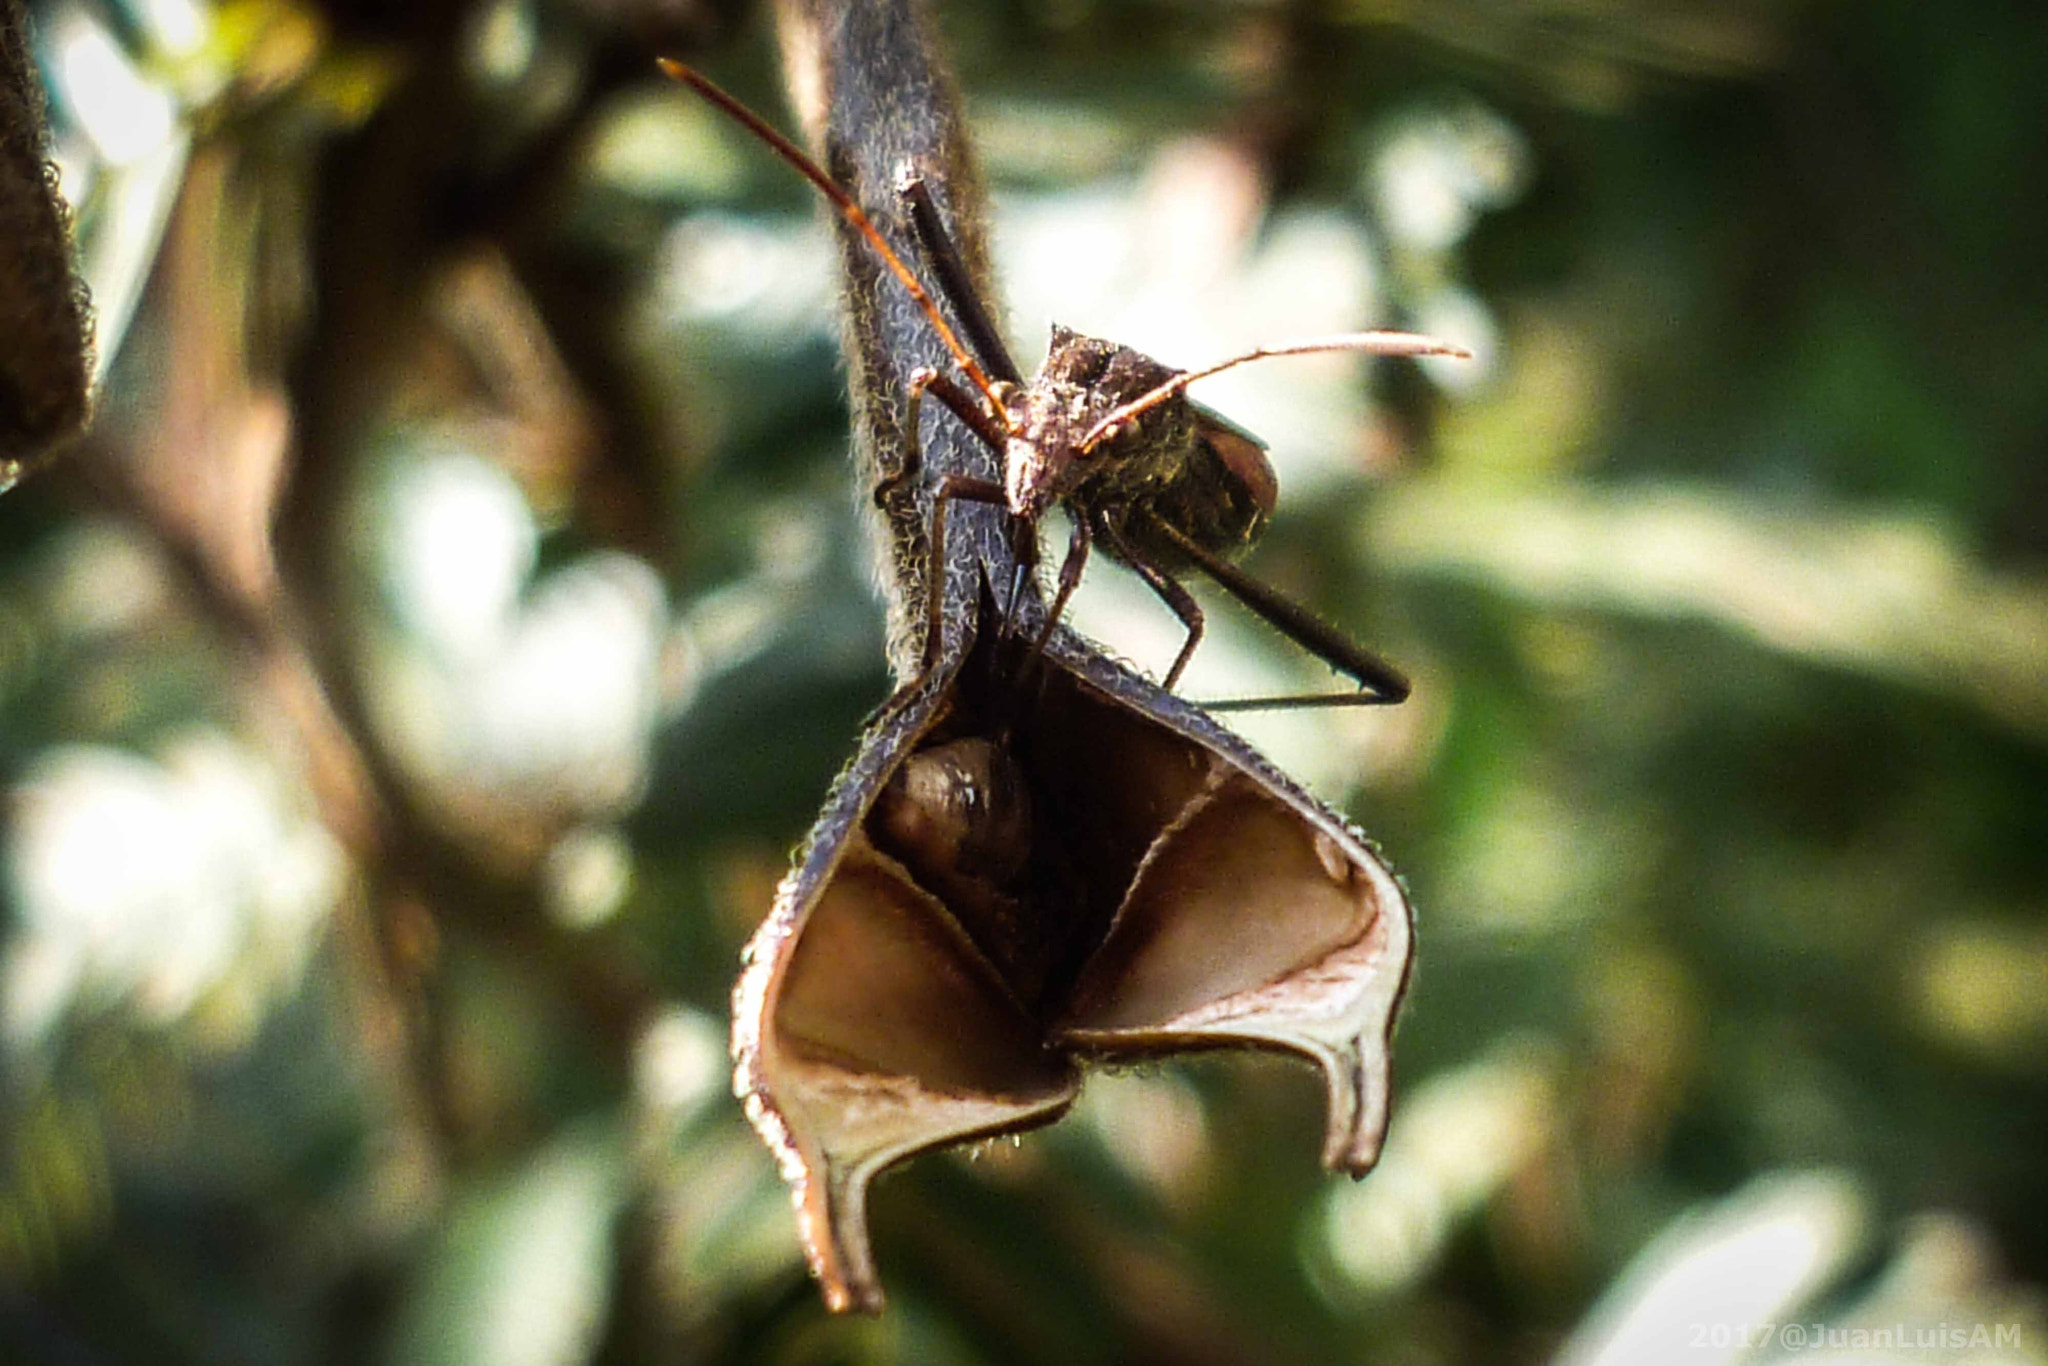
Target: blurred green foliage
(370,904)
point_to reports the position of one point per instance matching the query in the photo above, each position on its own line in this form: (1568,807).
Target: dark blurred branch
(209,476)
(45,322)
(199,476)
(401,204)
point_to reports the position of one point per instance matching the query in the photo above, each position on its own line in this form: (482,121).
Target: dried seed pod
(943,958)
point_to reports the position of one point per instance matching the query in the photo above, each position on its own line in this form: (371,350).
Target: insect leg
(1070,579)
(913,449)
(962,405)
(1171,591)
(954,280)
(949,490)
(953,488)
(1382,682)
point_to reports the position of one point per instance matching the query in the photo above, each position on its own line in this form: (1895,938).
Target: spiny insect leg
(962,405)
(1382,682)
(1170,590)
(954,281)
(953,488)
(1070,579)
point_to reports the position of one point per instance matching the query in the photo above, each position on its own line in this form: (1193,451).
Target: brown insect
(1007,883)
(1161,482)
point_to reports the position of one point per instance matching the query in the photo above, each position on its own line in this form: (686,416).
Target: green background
(369,915)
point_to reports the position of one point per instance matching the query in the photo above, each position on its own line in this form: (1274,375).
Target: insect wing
(1243,454)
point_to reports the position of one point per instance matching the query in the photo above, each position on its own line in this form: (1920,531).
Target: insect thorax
(1164,467)
(1082,381)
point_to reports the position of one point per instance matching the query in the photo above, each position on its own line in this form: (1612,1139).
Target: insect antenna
(1371,343)
(848,210)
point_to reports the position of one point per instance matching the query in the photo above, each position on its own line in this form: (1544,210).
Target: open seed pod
(1010,879)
